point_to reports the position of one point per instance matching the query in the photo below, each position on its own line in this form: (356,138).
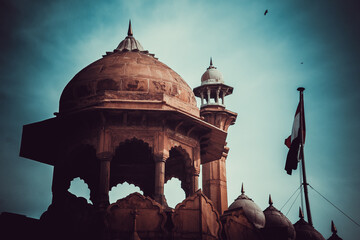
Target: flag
(294,141)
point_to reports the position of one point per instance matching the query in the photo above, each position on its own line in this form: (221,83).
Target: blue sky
(45,43)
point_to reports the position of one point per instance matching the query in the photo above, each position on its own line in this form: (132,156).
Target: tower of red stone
(212,93)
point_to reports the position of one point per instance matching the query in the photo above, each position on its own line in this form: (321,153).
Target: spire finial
(242,188)
(301,214)
(130,32)
(270,200)
(211,61)
(333,228)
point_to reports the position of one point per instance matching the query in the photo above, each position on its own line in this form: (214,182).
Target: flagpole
(307,203)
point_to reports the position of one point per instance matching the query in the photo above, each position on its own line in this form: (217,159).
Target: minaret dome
(211,75)
(212,90)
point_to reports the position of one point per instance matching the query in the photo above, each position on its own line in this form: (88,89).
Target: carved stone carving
(136,212)
(196,218)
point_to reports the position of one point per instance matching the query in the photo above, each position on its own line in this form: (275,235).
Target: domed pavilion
(128,117)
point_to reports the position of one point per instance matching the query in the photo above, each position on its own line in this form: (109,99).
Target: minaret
(212,93)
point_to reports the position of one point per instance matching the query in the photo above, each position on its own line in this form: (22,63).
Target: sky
(43,44)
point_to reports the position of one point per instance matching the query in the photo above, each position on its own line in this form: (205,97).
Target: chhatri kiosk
(128,117)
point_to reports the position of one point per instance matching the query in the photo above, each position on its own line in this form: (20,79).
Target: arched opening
(173,192)
(80,189)
(134,163)
(122,190)
(179,166)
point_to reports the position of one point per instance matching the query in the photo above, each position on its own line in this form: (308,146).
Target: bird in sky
(302,62)
(266,11)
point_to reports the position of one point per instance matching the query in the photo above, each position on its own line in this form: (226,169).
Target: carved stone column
(214,183)
(104,180)
(195,186)
(202,98)
(196,170)
(160,179)
(208,95)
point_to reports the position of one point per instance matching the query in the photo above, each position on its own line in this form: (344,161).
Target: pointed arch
(179,165)
(133,163)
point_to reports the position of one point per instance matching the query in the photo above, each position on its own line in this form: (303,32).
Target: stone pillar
(104,179)
(208,95)
(195,186)
(196,171)
(214,183)
(217,96)
(104,154)
(223,97)
(160,179)
(202,98)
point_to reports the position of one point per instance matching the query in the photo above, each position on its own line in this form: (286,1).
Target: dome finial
(333,228)
(130,32)
(242,188)
(270,200)
(211,64)
(301,214)
(130,43)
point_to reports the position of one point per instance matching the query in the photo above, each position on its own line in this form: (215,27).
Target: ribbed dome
(304,231)
(278,223)
(211,75)
(130,44)
(127,75)
(252,211)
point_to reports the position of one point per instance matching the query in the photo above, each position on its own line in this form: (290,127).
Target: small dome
(211,75)
(304,231)
(277,223)
(252,211)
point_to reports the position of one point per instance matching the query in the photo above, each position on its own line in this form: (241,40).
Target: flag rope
(335,206)
(290,198)
(293,203)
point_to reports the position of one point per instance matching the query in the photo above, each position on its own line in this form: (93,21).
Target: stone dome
(212,75)
(128,75)
(252,211)
(304,231)
(278,223)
